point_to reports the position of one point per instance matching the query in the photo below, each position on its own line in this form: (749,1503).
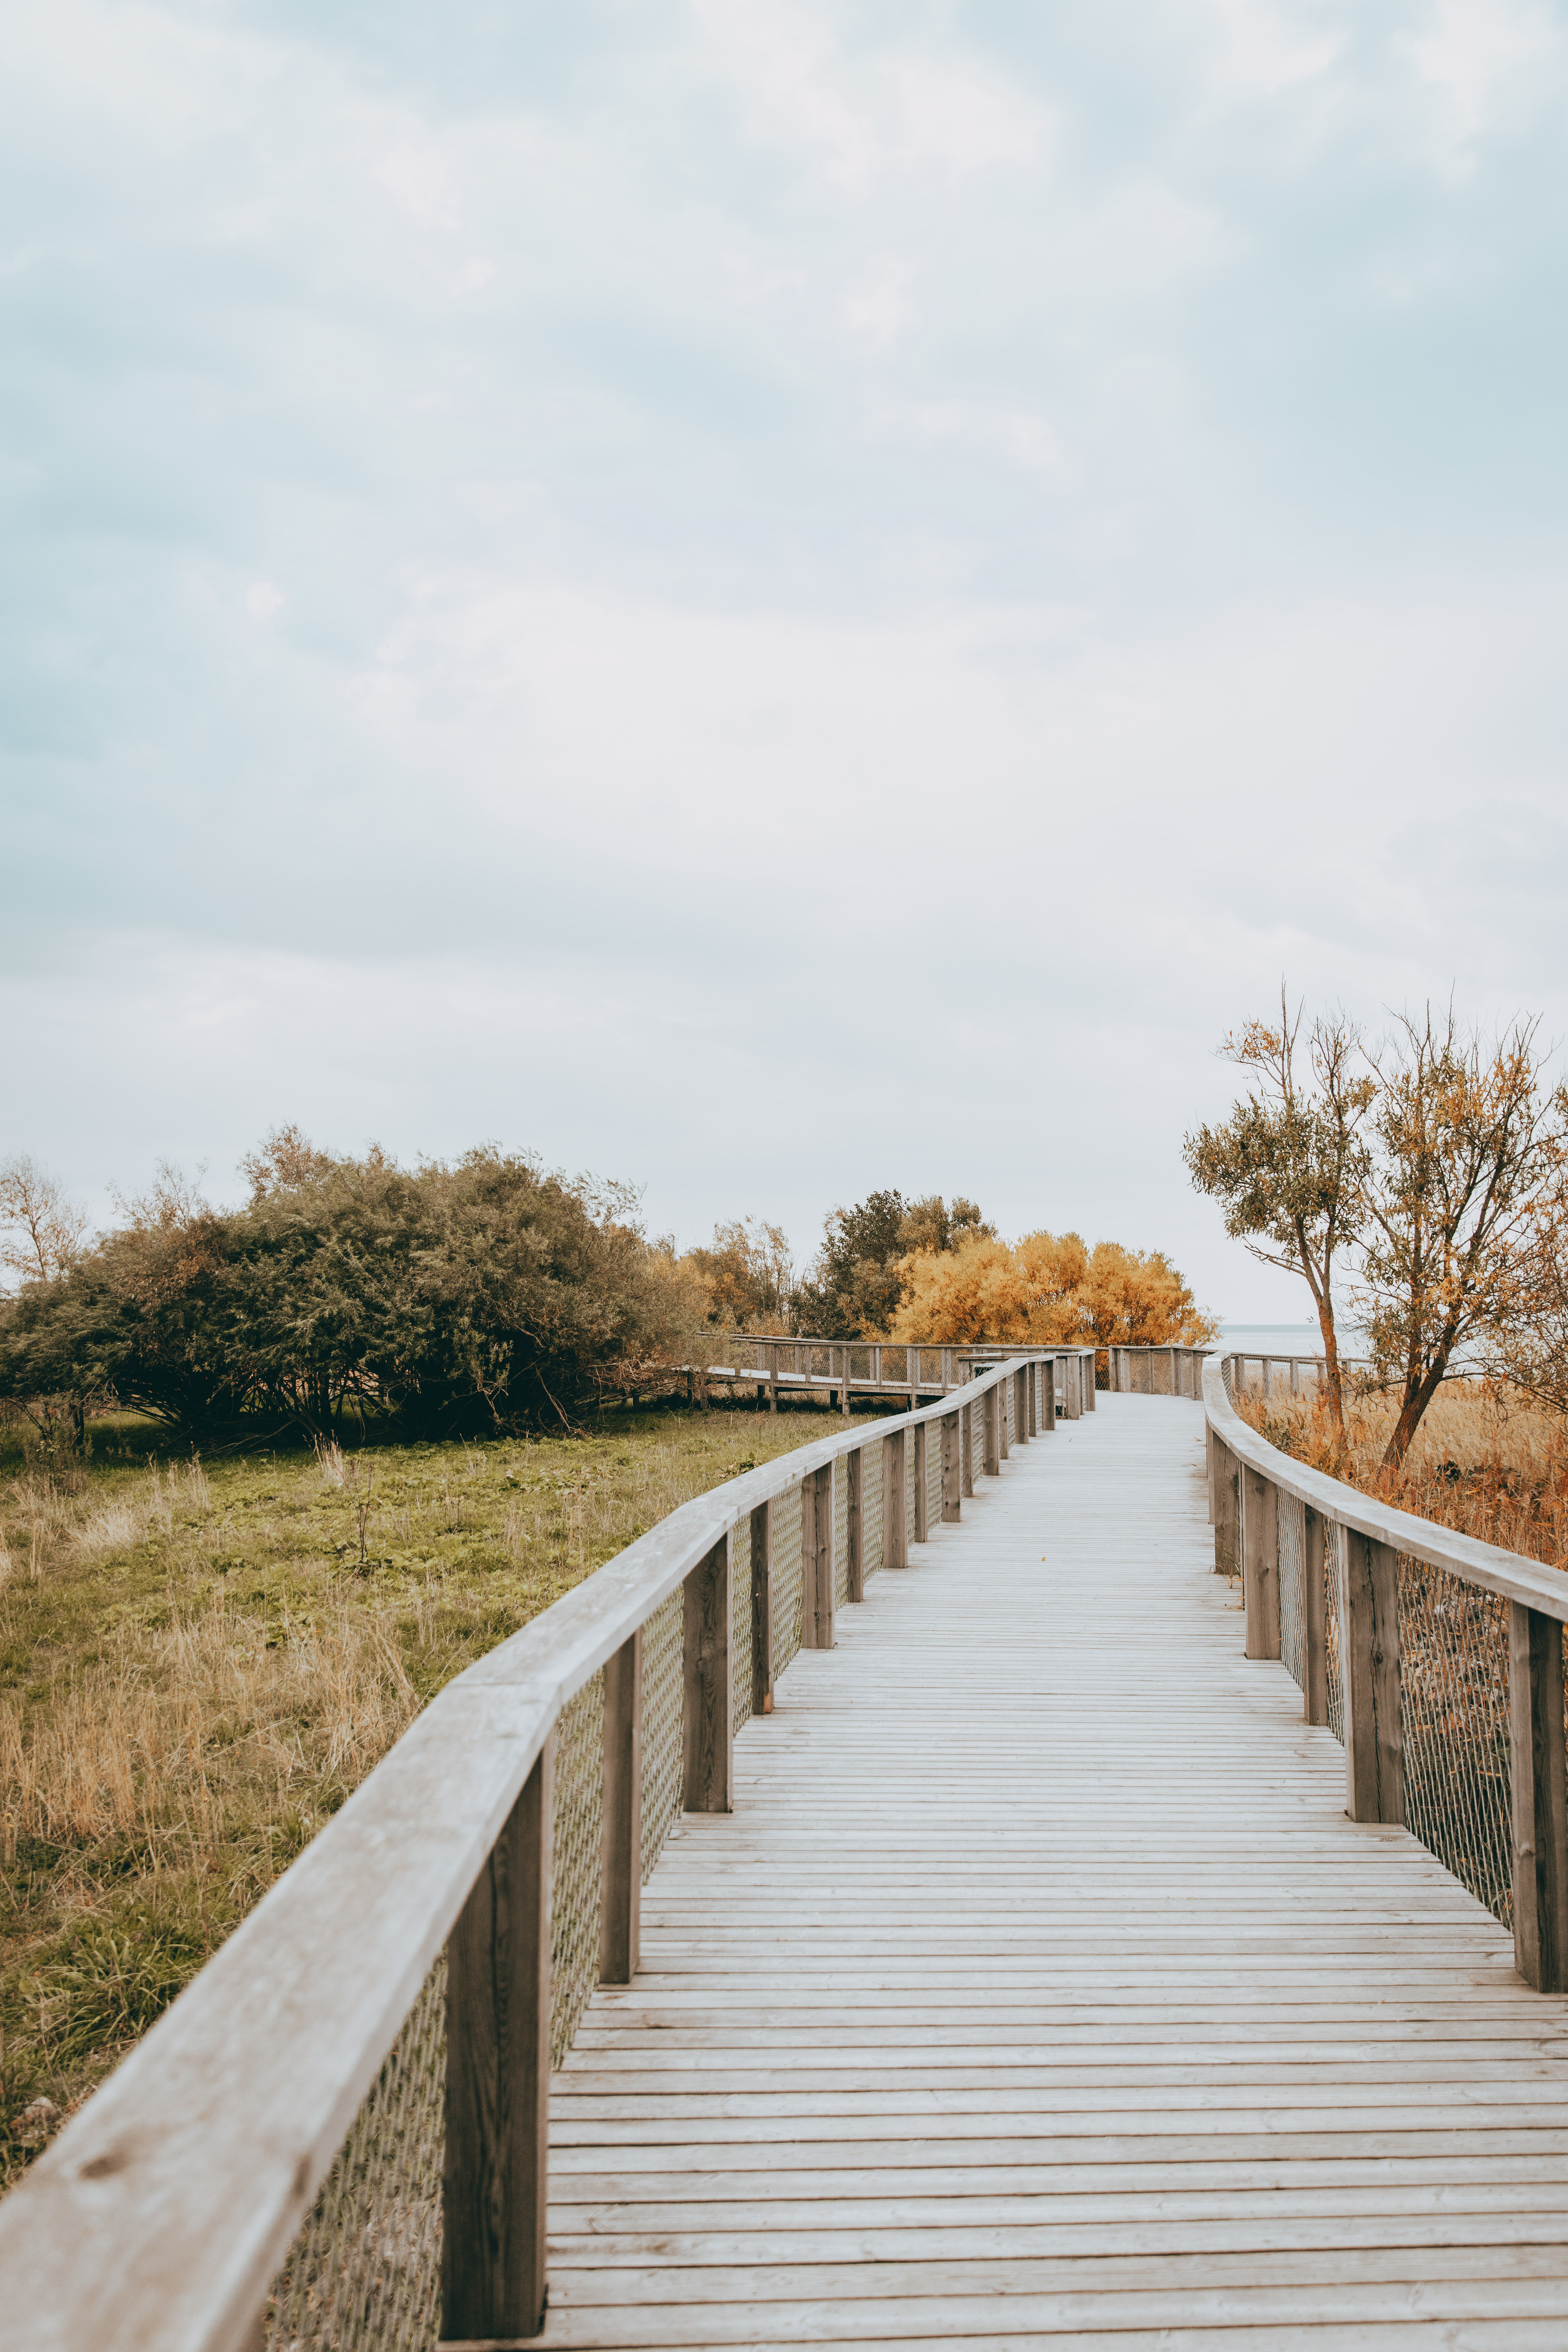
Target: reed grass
(1485,1461)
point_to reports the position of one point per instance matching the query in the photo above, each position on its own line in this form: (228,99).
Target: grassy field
(1484,1460)
(199,1661)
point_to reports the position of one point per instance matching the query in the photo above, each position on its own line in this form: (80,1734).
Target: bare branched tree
(1288,1166)
(43,1229)
(1468,1163)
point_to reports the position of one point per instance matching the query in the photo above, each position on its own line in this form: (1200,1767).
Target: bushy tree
(748,1275)
(1049,1288)
(484,1293)
(857,1283)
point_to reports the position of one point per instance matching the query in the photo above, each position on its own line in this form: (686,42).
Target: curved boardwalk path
(1040,1989)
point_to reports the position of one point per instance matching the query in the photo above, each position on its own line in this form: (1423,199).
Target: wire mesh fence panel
(663,1724)
(1454,1713)
(1290,1519)
(786,1579)
(840,1531)
(365,2268)
(575,1865)
(740,1622)
(1333,1677)
(871,1506)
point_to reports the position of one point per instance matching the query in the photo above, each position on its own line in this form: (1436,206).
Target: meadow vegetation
(201,1658)
(1487,1460)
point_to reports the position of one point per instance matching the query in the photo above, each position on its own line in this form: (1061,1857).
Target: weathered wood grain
(1160,2048)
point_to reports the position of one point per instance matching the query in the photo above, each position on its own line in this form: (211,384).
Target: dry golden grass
(1485,1461)
(199,1661)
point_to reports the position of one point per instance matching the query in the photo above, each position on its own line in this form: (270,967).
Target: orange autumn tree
(1047,1289)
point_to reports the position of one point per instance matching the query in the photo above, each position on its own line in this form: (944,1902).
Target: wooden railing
(337,2135)
(768,1361)
(1435,1658)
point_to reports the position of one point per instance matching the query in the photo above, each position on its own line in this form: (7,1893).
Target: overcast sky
(770,599)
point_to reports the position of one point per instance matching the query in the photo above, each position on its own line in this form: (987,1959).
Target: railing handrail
(162,2212)
(1508,1573)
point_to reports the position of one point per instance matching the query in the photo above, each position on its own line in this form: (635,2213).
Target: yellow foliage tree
(1046,1289)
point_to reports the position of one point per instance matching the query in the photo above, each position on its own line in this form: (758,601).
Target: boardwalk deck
(1039,1989)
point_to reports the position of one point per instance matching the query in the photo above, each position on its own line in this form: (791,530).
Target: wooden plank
(709,1774)
(764,1643)
(1369,1657)
(620,1869)
(923,1488)
(1259,1563)
(895,1486)
(1540,1788)
(855,1568)
(1148,2023)
(495,2171)
(1314,1618)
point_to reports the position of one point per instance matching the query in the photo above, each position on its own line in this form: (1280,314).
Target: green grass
(199,1661)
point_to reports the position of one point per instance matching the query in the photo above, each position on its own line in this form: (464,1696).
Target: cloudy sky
(764,598)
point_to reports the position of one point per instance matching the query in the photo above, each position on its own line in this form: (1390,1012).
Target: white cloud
(422,180)
(474,276)
(879,301)
(263,601)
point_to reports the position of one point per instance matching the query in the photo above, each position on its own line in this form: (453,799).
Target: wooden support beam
(1050,1385)
(952,1467)
(763,1608)
(1033,1376)
(1540,1799)
(855,1566)
(966,1448)
(1260,1563)
(1314,1619)
(1021,1404)
(709,1774)
(774,1376)
(895,1518)
(923,1488)
(1369,1669)
(1088,1362)
(816,1560)
(494,2177)
(1228,1512)
(620,1865)
(990,1458)
(1000,1394)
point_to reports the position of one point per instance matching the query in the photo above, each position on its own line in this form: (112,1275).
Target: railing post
(991,1458)
(493,2184)
(951,1469)
(1021,1405)
(946,1370)
(1228,1511)
(1003,1447)
(1049,1370)
(1540,1811)
(855,1566)
(710,1730)
(763,1608)
(1260,1563)
(1090,1362)
(843,1389)
(620,1865)
(895,1518)
(966,1448)
(773,1377)
(1314,1619)
(923,1491)
(1369,1674)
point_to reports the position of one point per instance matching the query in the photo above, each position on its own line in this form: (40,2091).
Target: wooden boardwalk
(1039,1988)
